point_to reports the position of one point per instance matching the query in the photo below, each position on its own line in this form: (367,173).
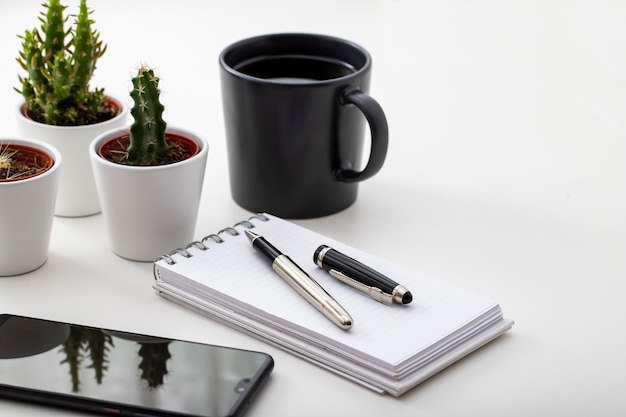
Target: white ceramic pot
(26,215)
(77,191)
(149,210)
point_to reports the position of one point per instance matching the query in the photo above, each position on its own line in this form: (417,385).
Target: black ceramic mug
(293,108)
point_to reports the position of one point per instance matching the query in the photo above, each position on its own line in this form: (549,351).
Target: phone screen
(120,373)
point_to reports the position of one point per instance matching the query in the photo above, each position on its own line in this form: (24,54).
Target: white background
(505,174)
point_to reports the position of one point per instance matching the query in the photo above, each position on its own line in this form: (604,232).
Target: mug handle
(379,135)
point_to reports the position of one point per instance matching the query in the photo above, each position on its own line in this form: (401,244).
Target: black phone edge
(257,383)
(65,401)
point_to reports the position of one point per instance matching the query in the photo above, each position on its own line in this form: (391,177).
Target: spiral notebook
(390,348)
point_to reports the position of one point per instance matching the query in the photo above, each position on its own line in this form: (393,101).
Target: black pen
(360,276)
(300,281)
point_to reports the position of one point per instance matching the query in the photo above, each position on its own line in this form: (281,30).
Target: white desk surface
(505,174)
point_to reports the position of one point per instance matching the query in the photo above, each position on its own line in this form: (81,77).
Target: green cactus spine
(56,88)
(147,133)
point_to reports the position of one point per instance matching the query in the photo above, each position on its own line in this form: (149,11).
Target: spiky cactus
(98,343)
(73,355)
(154,357)
(59,64)
(16,163)
(93,341)
(147,133)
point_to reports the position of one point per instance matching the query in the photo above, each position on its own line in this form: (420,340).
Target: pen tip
(407,298)
(251,235)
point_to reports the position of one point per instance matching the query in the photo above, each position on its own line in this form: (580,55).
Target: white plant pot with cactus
(77,194)
(149,210)
(26,204)
(59,107)
(150,206)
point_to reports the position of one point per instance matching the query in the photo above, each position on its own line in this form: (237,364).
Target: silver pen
(300,281)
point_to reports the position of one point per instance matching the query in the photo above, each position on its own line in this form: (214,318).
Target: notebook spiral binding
(215,237)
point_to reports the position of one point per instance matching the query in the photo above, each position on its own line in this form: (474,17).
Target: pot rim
(124,109)
(96,143)
(50,150)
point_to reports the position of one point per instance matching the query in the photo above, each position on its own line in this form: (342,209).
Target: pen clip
(375,293)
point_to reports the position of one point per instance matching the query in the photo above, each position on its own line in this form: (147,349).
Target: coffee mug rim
(250,40)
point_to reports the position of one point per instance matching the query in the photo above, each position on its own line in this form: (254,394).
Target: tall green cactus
(56,88)
(147,133)
(153,365)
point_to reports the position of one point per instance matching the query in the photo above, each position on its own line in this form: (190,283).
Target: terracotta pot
(77,194)
(149,210)
(27,212)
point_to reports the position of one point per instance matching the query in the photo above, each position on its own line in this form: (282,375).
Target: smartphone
(126,374)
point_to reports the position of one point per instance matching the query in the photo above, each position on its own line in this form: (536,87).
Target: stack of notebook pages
(389,349)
